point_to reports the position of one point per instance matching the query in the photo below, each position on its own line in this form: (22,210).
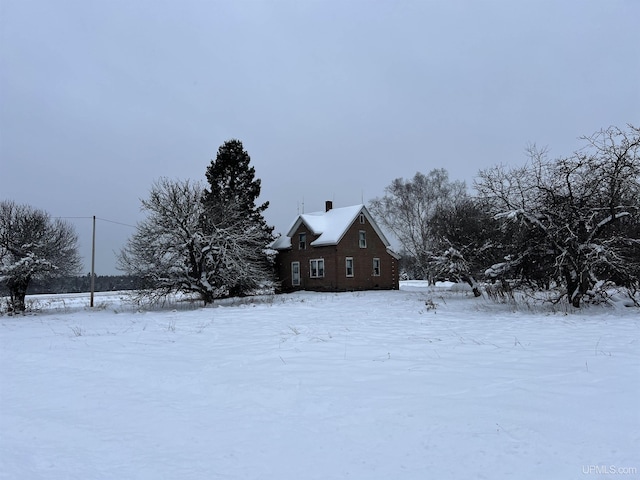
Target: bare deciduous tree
(33,245)
(408,207)
(465,236)
(174,253)
(580,213)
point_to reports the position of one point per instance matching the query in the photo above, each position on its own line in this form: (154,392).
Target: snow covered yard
(413,384)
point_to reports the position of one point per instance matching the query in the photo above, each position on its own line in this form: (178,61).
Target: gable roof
(330,226)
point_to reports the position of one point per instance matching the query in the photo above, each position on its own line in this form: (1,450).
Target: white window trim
(317,261)
(362,239)
(295,281)
(374,267)
(346,267)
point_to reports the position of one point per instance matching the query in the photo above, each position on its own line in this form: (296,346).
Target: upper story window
(362,239)
(302,241)
(362,218)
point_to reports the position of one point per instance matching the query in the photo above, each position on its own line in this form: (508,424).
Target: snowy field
(412,384)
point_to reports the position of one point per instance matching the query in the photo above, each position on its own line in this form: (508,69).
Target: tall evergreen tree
(230,203)
(232,185)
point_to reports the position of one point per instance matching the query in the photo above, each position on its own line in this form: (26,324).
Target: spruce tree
(233,185)
(230,202)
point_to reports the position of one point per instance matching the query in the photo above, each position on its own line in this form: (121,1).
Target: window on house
(295,273)
(302,241)
(362,239)
(316,268)
(362,218)
(376,267)
(349,266)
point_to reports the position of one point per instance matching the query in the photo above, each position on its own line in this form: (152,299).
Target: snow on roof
(281,243)
(330,226)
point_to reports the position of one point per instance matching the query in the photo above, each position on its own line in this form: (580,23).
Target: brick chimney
(328,205)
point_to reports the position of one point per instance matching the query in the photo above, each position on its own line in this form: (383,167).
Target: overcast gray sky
(332,99)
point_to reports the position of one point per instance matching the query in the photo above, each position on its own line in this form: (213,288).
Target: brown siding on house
(334,256)
(363,278)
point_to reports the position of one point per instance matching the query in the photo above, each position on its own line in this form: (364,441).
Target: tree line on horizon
(571,224)
(78,284)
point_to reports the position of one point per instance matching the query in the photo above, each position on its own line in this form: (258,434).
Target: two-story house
(340,249)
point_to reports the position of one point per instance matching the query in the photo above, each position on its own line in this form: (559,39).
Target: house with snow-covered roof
(340,249)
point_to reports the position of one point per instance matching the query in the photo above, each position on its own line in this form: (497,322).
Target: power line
(101,219)
(117,223)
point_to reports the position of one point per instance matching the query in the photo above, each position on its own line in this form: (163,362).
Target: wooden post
(93,260)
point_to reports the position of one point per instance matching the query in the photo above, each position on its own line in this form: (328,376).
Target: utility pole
(93,260)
